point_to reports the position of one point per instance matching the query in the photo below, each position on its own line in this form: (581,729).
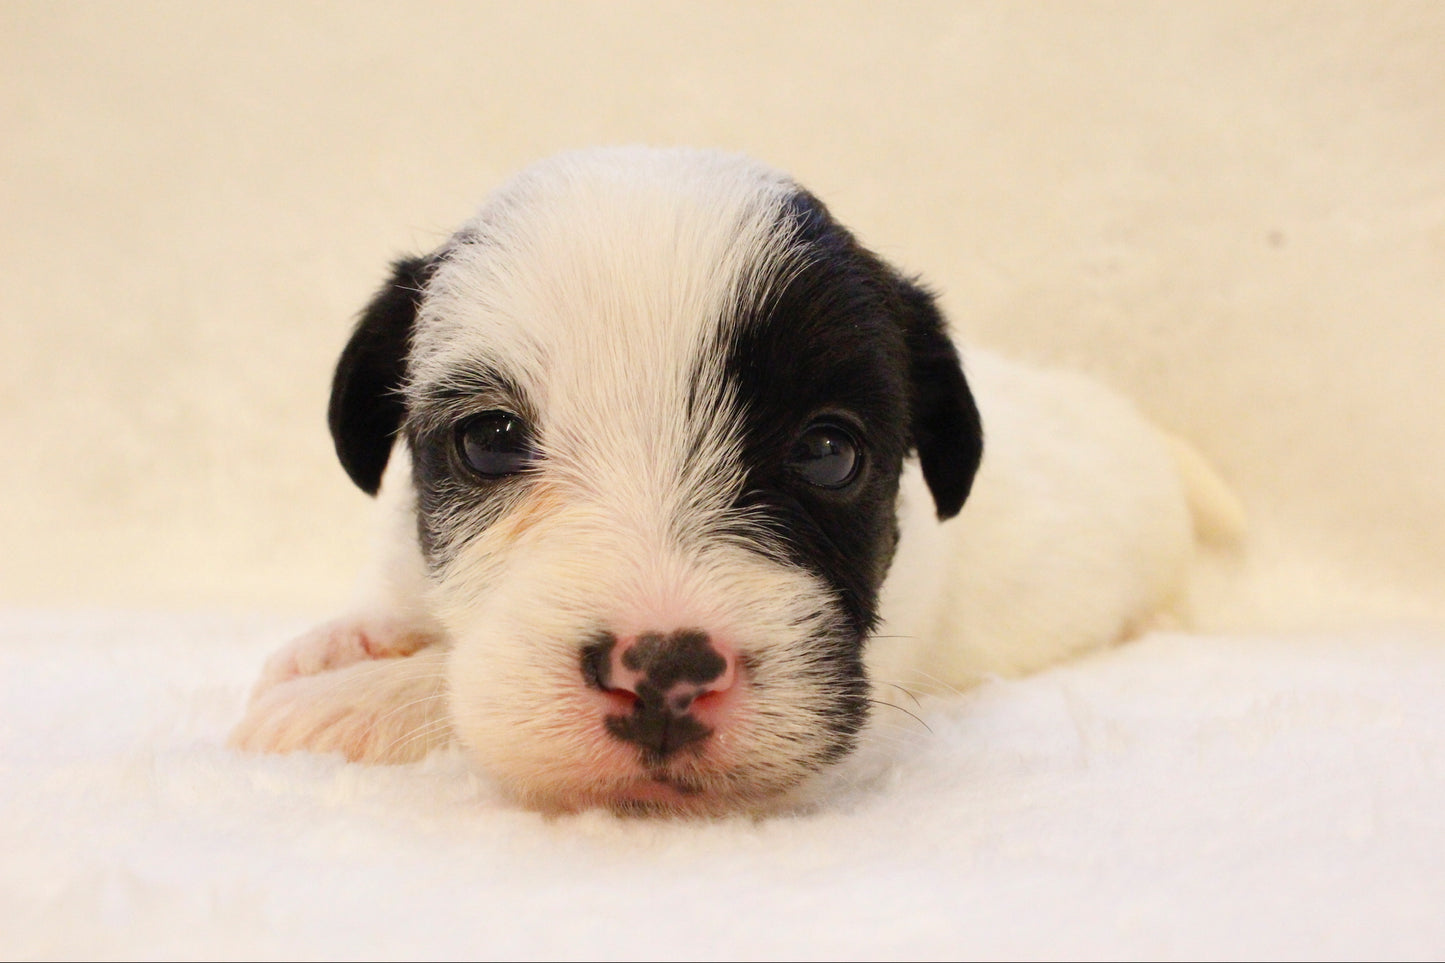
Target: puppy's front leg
(358,637)
(319,690)
(388,711)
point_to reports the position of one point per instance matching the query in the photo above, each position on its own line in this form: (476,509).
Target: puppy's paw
(339,643)
(379,711)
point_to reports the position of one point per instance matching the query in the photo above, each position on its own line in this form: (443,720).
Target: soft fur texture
(669,332)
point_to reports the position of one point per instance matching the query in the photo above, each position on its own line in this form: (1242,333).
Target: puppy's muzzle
(660,685)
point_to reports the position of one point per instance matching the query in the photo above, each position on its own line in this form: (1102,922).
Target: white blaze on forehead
(602,284)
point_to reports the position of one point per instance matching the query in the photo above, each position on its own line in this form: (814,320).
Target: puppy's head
(657,404)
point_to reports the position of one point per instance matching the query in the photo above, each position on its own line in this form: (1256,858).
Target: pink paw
(390,710)
(339,643)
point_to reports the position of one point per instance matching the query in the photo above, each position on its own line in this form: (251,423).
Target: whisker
(936,684)
(914,716)
(415,734)
(906,691)
(431,697)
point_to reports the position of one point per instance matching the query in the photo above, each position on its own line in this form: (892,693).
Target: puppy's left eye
(826,456)
(496,443)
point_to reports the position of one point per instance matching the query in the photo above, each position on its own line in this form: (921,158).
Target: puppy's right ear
(367,407)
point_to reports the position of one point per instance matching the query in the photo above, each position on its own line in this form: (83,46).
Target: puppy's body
(1077,535)
(666,456)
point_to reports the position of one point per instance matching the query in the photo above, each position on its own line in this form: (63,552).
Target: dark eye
(825,455)
(495,443)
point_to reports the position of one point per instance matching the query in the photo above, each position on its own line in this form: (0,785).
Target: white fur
(1078,533)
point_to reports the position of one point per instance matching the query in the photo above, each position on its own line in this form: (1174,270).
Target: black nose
(663,674)
(665,660)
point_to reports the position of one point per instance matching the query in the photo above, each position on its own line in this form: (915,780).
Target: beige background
(1234,212)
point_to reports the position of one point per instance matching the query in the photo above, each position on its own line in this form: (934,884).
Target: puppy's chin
(658,794)
(534,703)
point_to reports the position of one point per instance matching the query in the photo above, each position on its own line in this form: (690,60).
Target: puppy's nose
(662,675)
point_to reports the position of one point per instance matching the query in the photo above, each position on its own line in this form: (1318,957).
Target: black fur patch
(454,504)
(367,408)
(847,340)
(947,432)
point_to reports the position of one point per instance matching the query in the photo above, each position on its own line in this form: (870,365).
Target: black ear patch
(943,417)
(944,423)
(366,408)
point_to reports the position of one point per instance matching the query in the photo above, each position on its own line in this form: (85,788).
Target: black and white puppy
(664,456)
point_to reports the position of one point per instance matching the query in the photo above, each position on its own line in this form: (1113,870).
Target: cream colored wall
(1236,212)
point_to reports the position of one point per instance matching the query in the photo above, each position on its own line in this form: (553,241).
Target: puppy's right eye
(496,443)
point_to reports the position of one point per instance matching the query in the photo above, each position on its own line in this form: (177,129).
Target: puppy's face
(657,404)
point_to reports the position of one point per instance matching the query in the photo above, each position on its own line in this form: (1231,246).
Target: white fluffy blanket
(1185,796)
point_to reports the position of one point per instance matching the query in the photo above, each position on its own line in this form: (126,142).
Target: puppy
(675,475)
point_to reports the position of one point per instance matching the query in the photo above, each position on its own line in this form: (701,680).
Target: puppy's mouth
(660,792)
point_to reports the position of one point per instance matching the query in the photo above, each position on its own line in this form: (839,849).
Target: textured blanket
(1187,795)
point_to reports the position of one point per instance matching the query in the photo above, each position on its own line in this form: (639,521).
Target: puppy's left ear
(944,420)
(367,407)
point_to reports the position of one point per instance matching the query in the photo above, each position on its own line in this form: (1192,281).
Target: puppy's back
(1078,535)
